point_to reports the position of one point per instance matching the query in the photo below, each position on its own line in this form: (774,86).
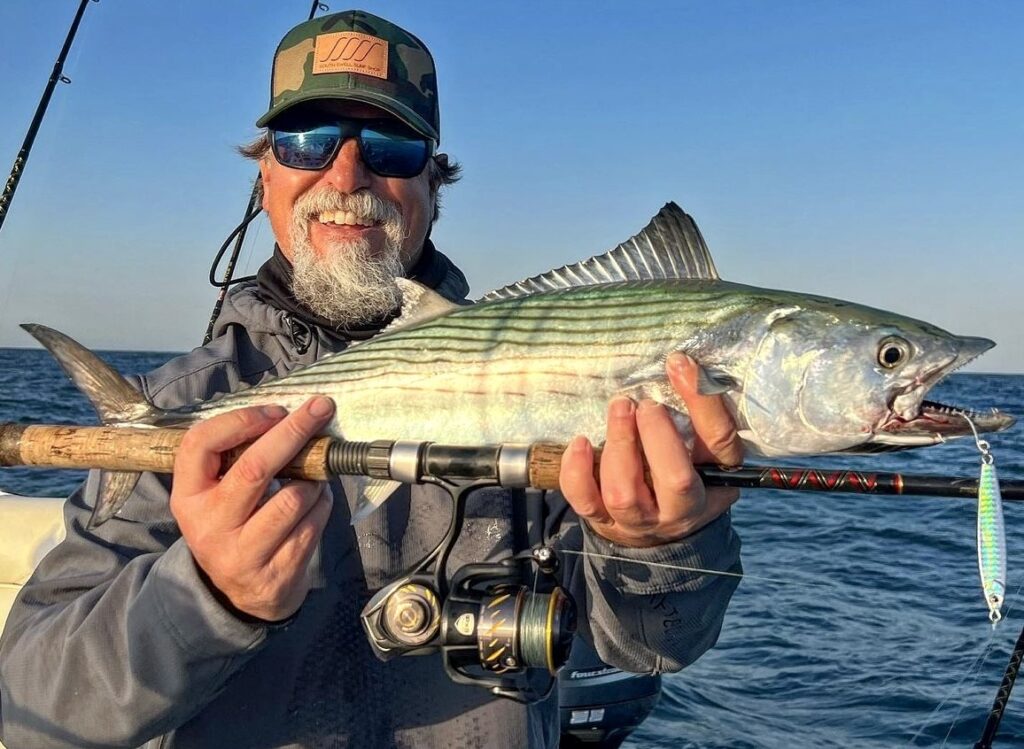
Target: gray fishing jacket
(117,642)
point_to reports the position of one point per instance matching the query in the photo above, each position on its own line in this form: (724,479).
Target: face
(331,232)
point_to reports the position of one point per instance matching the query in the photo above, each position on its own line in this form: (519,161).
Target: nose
(347,173)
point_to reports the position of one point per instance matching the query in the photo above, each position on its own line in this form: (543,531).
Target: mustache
(363,203)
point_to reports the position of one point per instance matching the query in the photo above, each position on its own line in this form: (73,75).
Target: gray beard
(348,285)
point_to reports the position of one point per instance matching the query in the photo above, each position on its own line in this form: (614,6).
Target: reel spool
(519,629)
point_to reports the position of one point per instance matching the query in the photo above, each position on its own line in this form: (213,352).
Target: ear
(440,162)
(265,179)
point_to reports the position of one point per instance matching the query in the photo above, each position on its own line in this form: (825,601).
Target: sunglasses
(387,147)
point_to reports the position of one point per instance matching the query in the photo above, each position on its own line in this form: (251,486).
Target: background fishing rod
(57,76)
(252,210)
(537,465)
(995,715)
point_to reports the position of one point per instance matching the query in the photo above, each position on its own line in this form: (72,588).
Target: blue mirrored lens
(393,154)
(308,149)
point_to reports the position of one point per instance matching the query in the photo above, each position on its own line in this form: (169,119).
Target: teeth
(344,218)
(954,411)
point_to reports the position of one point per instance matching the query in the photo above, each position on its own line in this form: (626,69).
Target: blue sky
(870,151)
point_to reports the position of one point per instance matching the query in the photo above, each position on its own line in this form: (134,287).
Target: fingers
(627,498)
(622,506)
(197,464)
(716,439)
(684,504)
(720,499)
(622,497)
(244,484)
(280,517)
(577,482)
(297,547)
(675,482)
(256,558)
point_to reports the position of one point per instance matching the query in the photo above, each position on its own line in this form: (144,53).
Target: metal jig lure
(991,531)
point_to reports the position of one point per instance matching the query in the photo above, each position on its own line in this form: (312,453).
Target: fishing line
(821,583)
(1002,697)
(253,209)
(253,241)
(534,635)
(82,36)
(974,670)
(13,267)
(688,569)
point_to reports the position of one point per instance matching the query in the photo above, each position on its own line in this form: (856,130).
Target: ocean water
(860,622)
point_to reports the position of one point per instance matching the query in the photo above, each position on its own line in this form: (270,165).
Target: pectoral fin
(115,488)
(714,381)
(371,495)
(420,304)
(652,379)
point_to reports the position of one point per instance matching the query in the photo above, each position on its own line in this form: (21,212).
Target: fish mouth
(935,422)
(914,422)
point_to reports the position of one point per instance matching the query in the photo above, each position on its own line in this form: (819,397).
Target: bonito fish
(539,361)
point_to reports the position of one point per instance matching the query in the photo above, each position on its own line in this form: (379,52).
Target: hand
(253,552)
(624,508)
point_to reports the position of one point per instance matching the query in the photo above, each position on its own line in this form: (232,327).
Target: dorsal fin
(670,246)
(419,304)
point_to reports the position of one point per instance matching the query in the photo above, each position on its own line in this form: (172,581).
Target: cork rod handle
(125,449)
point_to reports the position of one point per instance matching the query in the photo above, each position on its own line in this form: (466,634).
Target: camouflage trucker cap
(357,56)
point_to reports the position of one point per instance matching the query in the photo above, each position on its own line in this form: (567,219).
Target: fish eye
(893,351)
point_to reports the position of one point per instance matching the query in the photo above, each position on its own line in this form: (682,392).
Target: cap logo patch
(351,52)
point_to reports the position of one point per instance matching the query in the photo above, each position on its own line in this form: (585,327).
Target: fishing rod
(545,621)
(252,210)
(57,76)
(512,465)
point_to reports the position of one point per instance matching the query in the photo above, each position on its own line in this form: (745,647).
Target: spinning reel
(490,627)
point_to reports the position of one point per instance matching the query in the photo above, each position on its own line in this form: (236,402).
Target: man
(229,615)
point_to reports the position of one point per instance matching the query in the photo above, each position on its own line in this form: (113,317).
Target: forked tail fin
(116,402)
